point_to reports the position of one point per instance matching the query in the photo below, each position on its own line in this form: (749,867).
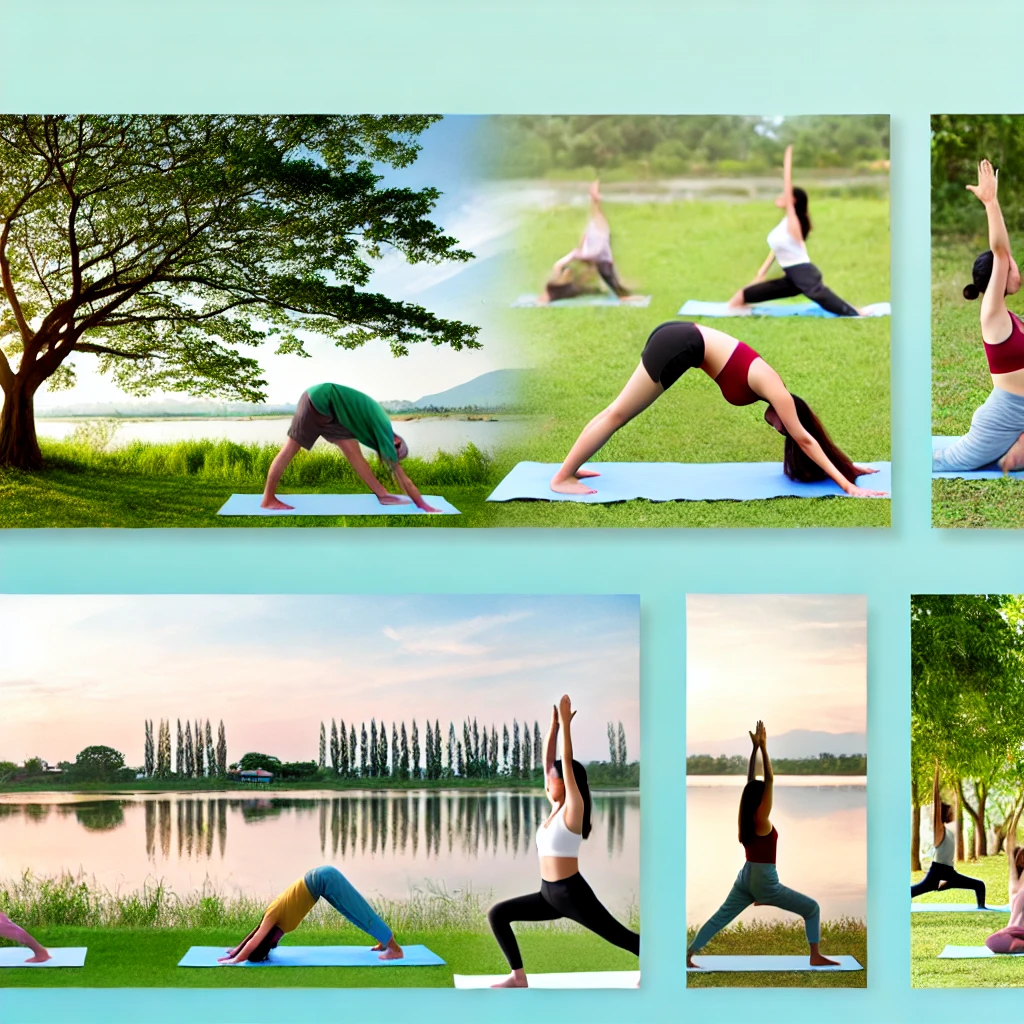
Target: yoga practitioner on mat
(941,873)
(563,890)
(344,417)
(744,378)
(286,912)
(997,426)
(787,244)
(594,252)
(9,930)
(758,881)
(1011,938)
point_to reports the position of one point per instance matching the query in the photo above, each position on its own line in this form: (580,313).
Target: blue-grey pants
(330,884)
(995,426)
(759,883)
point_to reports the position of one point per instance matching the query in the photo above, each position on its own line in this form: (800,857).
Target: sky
(796,661)
(481,217)
(80,670)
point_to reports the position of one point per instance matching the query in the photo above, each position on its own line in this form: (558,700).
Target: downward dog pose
(941,873)
(563,891)
(594,251)
(744,378)
(997,425)
(1011,938)
(758,881)
(787,247)
(9,930)
(286,913)
(344,417)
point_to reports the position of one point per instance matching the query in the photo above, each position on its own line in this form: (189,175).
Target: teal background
(458,56)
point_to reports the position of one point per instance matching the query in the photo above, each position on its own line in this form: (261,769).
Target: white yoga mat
(955,908)
(971,953)
(316,956)
(709,964)
(60,956)
(330,505)
(576,979)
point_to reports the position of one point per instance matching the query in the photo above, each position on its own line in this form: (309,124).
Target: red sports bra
(1008,355)
(762,849)
(732,378)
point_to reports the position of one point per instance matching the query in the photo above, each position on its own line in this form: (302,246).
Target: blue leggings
(330,884)
(759,883)
(995,426)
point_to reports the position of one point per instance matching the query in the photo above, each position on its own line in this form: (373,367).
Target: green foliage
(253,760)
(97,764)
(295,769)
(823,764)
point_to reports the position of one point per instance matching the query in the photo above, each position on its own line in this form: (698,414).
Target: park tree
(505,749)
(460,762)
(168,246)
(364,763)
(451,749)
(179,760)
(527,751)
(382,750)
(253,759)
(429,766)
(201,769)
(395,752)
(469,768)
(211,756)
(516,753)
(415,764)
(222,750)
(163,749)
(613,753)
(335,747)
(403,762)
(374,749)
(536,745)
(343,749)
(98,763)
(437,748)
(352,748)
(322,757)
(149,754)
(621,755)
(190,756)
(494,751)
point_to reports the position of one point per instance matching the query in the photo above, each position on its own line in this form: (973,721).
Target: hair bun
(971,292)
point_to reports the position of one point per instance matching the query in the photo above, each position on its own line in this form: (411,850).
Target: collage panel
(411,320)
(442,786)
(776,790)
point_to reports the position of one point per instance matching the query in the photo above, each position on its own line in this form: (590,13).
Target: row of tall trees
(195,753)
(967,715)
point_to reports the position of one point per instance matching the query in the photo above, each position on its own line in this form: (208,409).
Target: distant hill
(493,391)
(793,744)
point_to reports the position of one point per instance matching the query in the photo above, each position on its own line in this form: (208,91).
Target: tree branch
(102,350)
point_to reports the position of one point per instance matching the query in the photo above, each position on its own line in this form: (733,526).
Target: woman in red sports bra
(743,378)
(997,426)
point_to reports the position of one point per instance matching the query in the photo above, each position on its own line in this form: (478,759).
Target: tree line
(195,755)
(823,764)
(967,715)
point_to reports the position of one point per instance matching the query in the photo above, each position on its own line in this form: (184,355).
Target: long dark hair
(750,800)
(800,209)
(981,274)
(798,465)
(262,951)
(579,773)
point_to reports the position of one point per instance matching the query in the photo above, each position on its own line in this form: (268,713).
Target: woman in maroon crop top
(744,378)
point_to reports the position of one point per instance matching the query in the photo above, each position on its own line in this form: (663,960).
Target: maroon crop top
(1008,355)
(732,378)
(762,849)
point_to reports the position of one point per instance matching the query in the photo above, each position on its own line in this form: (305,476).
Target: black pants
(938,873)
(607,271)
(803,279)
(571,898)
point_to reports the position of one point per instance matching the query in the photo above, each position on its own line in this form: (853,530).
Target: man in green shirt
(344,417)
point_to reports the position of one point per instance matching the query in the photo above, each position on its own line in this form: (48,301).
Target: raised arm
(792,220)
(995,320)
(573,797)
(762,816)
(755,741)
(551,742)
(938,825)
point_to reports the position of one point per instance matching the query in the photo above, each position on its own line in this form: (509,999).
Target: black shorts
(671,350)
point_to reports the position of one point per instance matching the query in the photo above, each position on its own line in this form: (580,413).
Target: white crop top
(555,839)
(945,852)
(788,251)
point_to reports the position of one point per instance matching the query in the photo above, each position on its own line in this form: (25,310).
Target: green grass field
(960,383)
(774,938)
(929,933)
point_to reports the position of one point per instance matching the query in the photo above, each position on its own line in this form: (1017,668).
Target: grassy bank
(929,933)
(844,937)
(960,383)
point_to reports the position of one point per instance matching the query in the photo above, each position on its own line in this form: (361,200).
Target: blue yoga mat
(956,908)
(604,299)
(709,964)
(972,953)
(694,307)
(316,956)
(330,505)
(989,472)
(677,481)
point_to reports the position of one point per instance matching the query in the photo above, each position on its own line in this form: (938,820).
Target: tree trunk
(980,832)
(19,447)
(959,823)
(915,828)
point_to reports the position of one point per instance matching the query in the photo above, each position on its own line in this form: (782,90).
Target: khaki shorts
(308,424)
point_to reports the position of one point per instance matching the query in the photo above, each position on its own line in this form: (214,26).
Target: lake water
(387,843)
(822,824)
(425,437)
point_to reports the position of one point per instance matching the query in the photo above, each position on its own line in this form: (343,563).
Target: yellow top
(288,910)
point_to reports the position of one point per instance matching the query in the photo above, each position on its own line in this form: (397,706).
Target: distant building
(257,775)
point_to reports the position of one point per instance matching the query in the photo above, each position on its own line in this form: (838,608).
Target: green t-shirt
(359,413)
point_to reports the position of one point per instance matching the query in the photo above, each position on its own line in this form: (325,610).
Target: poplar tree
(179,761)
(148,749)
(515,749)
(536,744)
(322,759)
(429,766)
(504,750)
(404,762)
(382,751)
(613,752)
(343,755)
(623,760)
(335,747)
(494,751)
(416,750)
(527,752)
(364,762)
(374,749)
(211,757)
(190,754)
(222,750)
(352,749)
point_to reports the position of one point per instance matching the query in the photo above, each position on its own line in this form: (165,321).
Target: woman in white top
(563,891)
(787,247)
(942,874)
(594,252)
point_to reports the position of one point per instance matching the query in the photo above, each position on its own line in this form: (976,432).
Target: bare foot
(392,951)
(1014,458)
(690,963)
(276,504)
(570,486)
(513,981)
(817,960)
(40,958)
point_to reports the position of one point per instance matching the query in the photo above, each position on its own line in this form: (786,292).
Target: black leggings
(607,271)
(938,873)
(571,898)
(803,279)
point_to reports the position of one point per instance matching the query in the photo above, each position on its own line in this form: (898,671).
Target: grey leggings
(803,279)
(759,883)
(995,425)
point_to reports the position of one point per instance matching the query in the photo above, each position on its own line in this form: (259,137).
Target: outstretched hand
(565,709)
(758,736)
(988,183)
(863,492)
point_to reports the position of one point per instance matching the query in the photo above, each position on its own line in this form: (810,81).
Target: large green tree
(168,246)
